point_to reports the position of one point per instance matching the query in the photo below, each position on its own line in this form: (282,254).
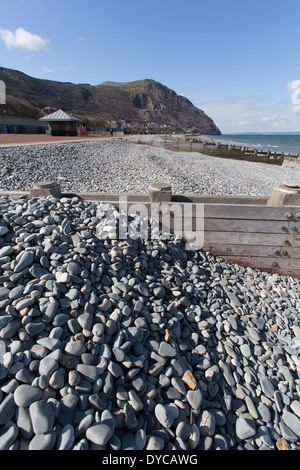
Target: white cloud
(23,39)
(48,70)
(252,114)
(296,109)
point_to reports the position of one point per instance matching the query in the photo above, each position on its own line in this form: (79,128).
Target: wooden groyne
(255,232)
(218,149)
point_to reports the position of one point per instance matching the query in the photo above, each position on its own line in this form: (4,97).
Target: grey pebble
(136,344)
(26,394)
(99,434)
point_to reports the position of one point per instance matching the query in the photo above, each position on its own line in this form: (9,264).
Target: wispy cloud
(252,114)
(48,70)
(23,39)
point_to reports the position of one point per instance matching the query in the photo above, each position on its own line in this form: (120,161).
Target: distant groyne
(218,149)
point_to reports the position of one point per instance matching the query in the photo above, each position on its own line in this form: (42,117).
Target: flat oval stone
(42,417)
(26,394)
(194,398)
(245,426)
(43,441)
(8,436)
(47,366)
(292,421)
(99,434)
(25,260)
(164,416)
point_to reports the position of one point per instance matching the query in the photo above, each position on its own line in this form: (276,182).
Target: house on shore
(62,123)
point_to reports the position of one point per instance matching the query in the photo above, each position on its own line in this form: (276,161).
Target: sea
(286,143)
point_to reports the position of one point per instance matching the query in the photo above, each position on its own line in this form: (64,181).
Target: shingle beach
(119,165)
(135,344)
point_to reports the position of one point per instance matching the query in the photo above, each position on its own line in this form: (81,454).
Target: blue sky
(238,60)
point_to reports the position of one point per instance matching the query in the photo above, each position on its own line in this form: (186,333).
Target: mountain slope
(133,101)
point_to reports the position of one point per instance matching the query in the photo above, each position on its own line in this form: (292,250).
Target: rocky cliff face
(133,101)
(160,104)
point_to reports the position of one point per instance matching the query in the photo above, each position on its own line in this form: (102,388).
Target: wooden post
(288,194)
(46,188)
(160,192)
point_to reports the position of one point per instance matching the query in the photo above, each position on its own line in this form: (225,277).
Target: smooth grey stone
(264,413)
(86,321)
(24,261)
(3,230)
(220,442)
(128,442)
(166,350)
(4,293)
(75,348)
(159,292)
(295,407)
(267,387)
(47,366)
(58,379)
(8,435)
(115,369)
(130,419)
(194,398)
(155,443)
(292,421)
(83,426)
(287,433)
(140,439)
(5,250)
(50,310)
(23,422)
(245,350)
(179,385)
(66,438)
(9,330)
(16,292)
(73,268)
(99,434)
(233,299)
(89,372)
(49,343)
(7,409)
(245,426)
(97,402)
(183,430)
(207,424)
(253,333)
(42,417)
(164,415)
(26,394)
(34,328)
(43,441)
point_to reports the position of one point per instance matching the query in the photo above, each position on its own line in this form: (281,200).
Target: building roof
(60,115)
